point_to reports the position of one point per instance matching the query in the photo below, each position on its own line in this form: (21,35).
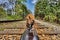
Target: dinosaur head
(30,20)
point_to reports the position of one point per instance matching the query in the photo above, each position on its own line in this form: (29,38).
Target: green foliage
(47,10)
(2,13)
(20,11)
(58,14)
(14,17)
(51,17)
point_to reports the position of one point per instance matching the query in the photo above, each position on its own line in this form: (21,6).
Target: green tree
(48,10)
(20,11)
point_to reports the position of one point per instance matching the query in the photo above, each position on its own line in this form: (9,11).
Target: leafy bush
(51,17)
(47,10)
(2,13)
(14,17)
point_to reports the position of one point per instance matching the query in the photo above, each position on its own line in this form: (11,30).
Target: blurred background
(47,10)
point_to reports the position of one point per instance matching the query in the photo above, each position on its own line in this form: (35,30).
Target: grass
(12,17)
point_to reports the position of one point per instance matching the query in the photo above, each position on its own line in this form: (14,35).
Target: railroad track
(44,32)
(3,21)
(48,33)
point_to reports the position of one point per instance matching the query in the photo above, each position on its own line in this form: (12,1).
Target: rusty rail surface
(3,21)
